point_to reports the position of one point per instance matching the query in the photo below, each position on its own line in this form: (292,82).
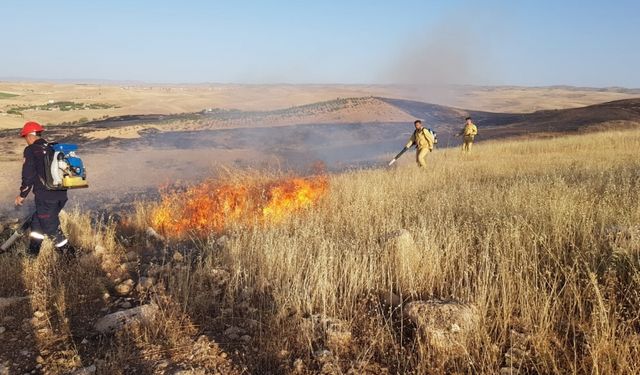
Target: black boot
(34,247)
(67,251)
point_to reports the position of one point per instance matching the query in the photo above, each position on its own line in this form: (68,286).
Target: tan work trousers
(468,142)
(421,154)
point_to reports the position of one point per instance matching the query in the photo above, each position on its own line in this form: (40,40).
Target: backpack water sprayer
(64,169)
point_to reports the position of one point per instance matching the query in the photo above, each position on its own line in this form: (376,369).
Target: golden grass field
(542,237)
(142,98)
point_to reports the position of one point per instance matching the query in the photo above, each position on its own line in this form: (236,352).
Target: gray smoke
(456,51)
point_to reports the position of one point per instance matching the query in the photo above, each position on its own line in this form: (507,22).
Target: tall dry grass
(542,236)
(538,234)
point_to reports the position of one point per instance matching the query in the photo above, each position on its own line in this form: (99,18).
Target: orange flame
(211,206)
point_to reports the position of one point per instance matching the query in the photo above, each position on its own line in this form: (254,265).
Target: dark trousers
(46,222)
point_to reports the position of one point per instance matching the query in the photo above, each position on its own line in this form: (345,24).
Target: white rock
(178,257)
(2,330)
(117,320)
(38,314)
(445,326)
(125,305)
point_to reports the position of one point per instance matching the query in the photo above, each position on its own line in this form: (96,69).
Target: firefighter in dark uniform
(49,203)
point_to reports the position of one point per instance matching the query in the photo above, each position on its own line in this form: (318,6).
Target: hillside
(618,114)
(20,101)
(523,256)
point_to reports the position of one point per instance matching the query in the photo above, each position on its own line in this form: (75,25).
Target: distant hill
(352,129)
(447,121)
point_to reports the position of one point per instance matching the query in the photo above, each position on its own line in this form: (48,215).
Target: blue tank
(76,164)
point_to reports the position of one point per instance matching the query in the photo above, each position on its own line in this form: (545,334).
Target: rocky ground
(119,306)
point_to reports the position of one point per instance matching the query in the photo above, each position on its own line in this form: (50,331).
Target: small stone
(145,283)
(131,256)
(2,330)
(446,326)
(39,359)
(8,319)
(151,233)
(125,305)
(117,320)
(38,314)
(84,342)
(245,338)
(25,353)
(178,257)
(323,355)
(125,287)
(85,370)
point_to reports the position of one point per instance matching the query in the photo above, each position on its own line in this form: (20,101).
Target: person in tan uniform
(468,133)
(424,140)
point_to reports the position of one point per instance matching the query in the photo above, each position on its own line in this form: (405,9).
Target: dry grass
(541,236)
(538,234)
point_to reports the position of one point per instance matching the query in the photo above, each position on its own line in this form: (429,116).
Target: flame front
(211,206)
(288,196)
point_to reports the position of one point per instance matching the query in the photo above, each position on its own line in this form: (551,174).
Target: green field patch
(59,106)
(6,95)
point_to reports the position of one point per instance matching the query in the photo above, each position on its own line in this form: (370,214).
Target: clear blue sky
(544,42)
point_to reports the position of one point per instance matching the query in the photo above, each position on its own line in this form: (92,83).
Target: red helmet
(30,127)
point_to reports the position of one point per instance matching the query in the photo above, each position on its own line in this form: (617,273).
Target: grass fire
(213,205)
